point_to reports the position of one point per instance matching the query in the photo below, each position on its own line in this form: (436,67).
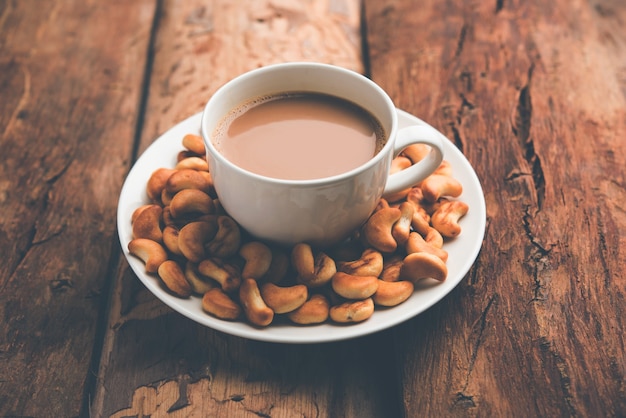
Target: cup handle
(409,177)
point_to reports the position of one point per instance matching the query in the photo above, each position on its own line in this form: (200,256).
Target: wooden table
(533,93)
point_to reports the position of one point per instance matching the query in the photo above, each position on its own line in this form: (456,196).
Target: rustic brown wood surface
(533,94)
(69,89)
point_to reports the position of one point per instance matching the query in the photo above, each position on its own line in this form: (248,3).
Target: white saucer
(462,251)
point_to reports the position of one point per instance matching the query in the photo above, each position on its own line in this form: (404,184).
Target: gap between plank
(92,392)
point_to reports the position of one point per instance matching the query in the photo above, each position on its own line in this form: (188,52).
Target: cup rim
(206,135)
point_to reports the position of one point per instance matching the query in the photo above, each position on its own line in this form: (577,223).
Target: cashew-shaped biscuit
(420,221)
(399,163)
(283,299)
(402,227)
(194,143)
(170,239)
(416,244)
(227,240)
(437,185)
(377,229)
(416,152)
(150,252)
(369,264)
(138,211)
(323,271)
(254,306)
(225,274)
(219,304)
(391,268)
(191,202)
(352,311)
(421,218)
(419,266)
(258,259)
(156,183)
(172,275)
(303,259)
(189,179)
(354,287)
(313,271)
(392,293)
(193,163)
(193,237)
(199,283)
(182,154)
(446,217)
(147,223)
(313,311)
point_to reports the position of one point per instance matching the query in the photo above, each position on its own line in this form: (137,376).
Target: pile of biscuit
(184,237)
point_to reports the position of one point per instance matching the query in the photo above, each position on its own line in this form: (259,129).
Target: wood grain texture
(68,106)
(200,45)
(534,95)
(154,361)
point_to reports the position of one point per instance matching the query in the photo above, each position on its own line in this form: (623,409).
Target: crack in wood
(60,284)
(183,399)
(464,400)
(261,413)
(538,260)
(38,241)
(456,135)
(455,118)
(147,76)
(603,248)
(51,178)
(21,254)
(468,83)
(514,175)
(465,107)
(521,128)
(539,286)
(482,325)
(24,97)
(499,5)
(473,274)
(561,367)
(461,40)
(527,221)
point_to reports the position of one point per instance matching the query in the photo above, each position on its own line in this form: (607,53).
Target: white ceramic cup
(322,211)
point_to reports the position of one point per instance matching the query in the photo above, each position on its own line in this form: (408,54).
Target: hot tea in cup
(299,136)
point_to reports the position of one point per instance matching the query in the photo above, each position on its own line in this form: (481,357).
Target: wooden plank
(67,118)
(156,362)
(202,45)
(534,95)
